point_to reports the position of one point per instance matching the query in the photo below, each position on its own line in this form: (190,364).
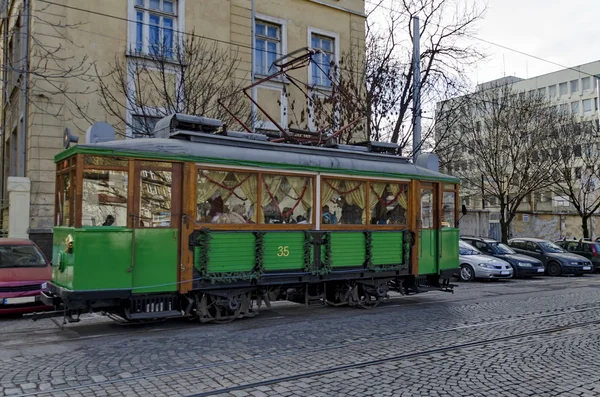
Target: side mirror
(464,210)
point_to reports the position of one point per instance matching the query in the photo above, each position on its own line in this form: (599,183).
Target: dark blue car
(523,265)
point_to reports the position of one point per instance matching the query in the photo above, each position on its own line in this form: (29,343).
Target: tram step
(153,315)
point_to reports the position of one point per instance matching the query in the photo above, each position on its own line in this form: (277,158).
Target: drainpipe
(252,71)
(21,171)
(4,98)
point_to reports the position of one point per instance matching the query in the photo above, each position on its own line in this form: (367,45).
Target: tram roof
(226,150)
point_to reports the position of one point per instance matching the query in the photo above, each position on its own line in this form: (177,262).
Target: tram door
(428,228)
(155,221)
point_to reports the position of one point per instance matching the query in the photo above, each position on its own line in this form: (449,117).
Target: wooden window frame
(259,210)
(134,192)
(456,209)
(367,226)
(67,166)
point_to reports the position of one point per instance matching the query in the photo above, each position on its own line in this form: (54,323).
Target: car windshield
(500,248)
(547,246)
(466,249)
(20,256)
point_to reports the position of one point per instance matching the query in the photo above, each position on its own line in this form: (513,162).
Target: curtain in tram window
(357,195)
(300,185)
(208,184)
(249,185)
(402,197)
(375,196)
(328,189)
(270,188)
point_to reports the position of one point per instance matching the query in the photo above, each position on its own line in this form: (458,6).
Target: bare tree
(379,85)
(576,172)
(499,130)
(188,77)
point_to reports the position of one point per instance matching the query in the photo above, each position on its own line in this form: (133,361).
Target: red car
(24,273)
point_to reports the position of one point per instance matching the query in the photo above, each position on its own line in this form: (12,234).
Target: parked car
(473,264)
(587,248)
(556,260)
(522,265)
(24,273)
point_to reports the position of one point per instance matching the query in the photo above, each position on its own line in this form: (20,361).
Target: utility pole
(416,89)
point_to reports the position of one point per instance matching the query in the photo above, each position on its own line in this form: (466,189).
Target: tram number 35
(283,251)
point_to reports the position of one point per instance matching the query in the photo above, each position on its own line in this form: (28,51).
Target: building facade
(544,213)
(56,52)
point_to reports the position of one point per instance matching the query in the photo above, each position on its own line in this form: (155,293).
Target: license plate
(504,273)
(540,270)
(587,268)
(15,301)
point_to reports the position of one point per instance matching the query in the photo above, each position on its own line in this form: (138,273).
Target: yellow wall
(99,41)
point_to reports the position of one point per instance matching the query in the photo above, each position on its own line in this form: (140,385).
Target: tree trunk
(584,226)
(504,229)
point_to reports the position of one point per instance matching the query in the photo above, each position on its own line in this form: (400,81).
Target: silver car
(473,264)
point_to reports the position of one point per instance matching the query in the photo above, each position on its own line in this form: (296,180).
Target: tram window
(104,161)
(104,201)
(64,200)
(155,198)
(427,209)
(344,202)
(389,203)
(287,199)
(448,209)
(227,197)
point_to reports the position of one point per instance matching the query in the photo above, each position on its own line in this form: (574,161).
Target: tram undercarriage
(227,304)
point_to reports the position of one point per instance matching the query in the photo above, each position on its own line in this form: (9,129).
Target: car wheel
(554,269)
(467,273)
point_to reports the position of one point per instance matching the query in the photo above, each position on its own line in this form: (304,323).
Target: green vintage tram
(210,224)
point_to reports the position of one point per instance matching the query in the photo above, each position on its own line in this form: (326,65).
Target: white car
(473,264)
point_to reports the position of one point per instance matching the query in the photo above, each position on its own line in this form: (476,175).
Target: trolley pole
(416,89)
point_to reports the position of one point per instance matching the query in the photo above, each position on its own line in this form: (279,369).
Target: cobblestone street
(507,338)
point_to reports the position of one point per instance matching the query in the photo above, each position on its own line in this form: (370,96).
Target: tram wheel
(366,298)
(222,310)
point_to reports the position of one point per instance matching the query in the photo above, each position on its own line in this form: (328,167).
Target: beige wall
(100,41)
(551,226)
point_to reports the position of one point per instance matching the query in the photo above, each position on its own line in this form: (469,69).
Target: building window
(587,105)
(564,108)
(267,46)
(575,107)
(552,91)
(143,126)
(574,86)
(586,83)
(577,150)
(321,65)
(562,89)
(541,92)
(577,172)
(156,21)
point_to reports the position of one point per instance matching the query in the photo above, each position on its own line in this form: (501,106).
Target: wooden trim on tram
(189,208)
(414,223)
(78,190)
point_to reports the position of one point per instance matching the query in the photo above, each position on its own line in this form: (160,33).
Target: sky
(560,31)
